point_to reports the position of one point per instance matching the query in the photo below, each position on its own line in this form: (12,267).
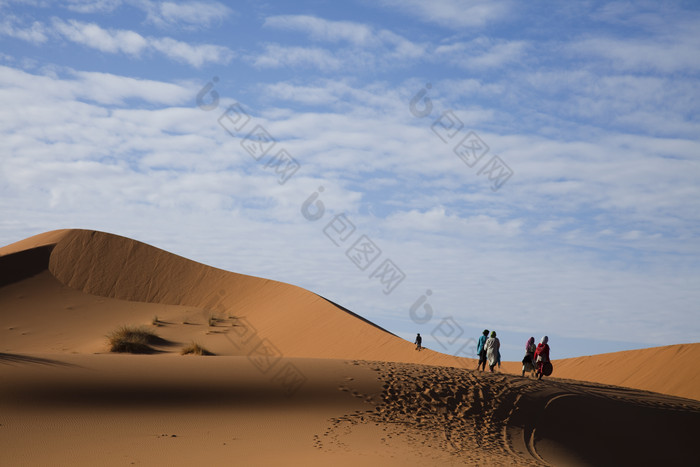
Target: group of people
(536,360)
(488,349)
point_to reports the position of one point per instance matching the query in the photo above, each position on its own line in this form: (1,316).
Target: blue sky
(535,167)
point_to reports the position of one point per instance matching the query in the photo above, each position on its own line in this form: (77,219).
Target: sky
(438,167)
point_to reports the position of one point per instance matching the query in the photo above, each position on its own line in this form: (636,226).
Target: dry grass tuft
(194,349)
(129,339)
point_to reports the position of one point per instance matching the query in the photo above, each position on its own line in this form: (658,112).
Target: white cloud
(645,37)
(276,56)
(107,88)
(93,6)
(92,35)
(364,47)
(116,41)
(361,45)
(195,55)
(131,43)
(629,102)
(402,48)
(36,33)
(189,15)
(325,30)
(307,95)
(439,221)
(482,52)
(453,14)
(643,54)
(102,88)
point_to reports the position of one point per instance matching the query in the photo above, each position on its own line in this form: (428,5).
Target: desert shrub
(194,349)
(129,339)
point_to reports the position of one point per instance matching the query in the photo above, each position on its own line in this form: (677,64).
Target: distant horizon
(437,167)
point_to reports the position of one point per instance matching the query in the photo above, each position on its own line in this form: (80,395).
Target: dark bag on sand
(547,368)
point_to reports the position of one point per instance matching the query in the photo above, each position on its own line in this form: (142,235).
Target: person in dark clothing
(419,342)
(481,351)
(529,358)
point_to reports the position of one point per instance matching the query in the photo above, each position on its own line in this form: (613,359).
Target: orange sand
(296,379)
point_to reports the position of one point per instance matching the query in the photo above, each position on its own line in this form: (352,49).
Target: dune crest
(671,369)
(294,321)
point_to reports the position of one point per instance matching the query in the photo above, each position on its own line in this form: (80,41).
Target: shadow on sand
(11,359)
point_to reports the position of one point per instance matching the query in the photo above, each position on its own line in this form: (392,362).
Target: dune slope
(671,369)
(281,318)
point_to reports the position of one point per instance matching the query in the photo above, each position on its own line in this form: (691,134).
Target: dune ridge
(670,369)
(297,322)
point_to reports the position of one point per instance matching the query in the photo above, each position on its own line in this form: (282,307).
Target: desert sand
(295,379)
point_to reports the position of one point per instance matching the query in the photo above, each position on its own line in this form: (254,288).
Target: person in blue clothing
(481,351)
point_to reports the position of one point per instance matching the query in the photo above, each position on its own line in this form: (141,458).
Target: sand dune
(294,321)
(671,369)
(170,410)
(296,379)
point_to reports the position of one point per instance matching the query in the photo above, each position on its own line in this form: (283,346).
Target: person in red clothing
(541,355)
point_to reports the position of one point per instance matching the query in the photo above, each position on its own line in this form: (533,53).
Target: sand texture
(294,379)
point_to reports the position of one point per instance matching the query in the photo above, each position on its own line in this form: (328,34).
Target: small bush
(212,321)
(130,339)
(195,349)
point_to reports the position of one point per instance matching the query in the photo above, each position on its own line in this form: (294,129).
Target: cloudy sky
(437,167)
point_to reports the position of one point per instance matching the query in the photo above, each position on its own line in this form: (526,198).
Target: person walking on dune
(481,351)
(419,342)
(493,353)
(542,356)
(529,358)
